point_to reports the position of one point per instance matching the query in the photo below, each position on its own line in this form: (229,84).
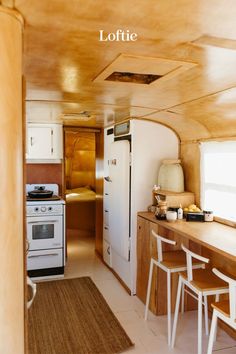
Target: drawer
(45,259)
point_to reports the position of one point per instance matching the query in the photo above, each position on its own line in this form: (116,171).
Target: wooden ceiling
(65,64)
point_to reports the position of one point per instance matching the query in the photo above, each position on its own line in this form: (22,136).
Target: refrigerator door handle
(108,179)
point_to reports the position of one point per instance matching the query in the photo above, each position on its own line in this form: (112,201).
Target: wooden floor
(149,337)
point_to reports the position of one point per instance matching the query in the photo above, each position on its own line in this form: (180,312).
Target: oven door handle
(43,255)
(42,222)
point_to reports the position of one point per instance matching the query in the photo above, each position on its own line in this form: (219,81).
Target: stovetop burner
(54,197)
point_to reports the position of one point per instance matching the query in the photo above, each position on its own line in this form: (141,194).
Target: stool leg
(176,312)
(182,300)
(199,323)
(169,306)
(206,315)
(148,289)
(212,332)
(217,299)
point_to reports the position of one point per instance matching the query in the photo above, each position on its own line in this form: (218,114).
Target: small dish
(171,216)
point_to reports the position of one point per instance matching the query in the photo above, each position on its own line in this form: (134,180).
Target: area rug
(72,317)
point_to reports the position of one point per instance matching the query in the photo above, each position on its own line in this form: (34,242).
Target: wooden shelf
(174,199)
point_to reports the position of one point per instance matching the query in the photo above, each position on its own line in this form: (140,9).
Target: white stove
(45,233)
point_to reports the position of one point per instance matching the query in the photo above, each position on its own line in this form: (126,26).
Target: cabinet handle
(139,227)
(44,255)
(108,179)
(51,141)
(108,250)
(31,141)
(42,222)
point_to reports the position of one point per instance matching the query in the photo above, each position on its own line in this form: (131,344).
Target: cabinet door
(57,142)
(39,143)
(146,247)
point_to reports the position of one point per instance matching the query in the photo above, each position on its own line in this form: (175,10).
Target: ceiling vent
(142,70)
(132,77)
(82,116)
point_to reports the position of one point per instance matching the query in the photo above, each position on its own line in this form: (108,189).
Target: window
(218,178)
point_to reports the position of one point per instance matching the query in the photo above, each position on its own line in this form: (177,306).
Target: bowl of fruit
(192,208)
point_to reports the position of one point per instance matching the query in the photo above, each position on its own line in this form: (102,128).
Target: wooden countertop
(213,235)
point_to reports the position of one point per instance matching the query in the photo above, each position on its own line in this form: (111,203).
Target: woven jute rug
(72,317)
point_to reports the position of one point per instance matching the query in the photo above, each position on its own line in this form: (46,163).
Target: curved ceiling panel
(191,46)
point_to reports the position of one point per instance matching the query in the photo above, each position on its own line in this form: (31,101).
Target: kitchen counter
(211,239)
(212,235)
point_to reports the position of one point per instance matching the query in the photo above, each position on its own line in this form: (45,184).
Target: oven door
(45,232)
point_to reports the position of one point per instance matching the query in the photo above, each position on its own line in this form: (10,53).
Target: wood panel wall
(12,260)
(190,159)
(79,158)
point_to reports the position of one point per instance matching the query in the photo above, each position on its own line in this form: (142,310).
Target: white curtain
(218,178)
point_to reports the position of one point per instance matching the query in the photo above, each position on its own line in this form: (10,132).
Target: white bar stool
(224,310)
(203,283)
(170,262)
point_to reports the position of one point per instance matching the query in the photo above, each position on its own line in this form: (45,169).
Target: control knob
(43,209)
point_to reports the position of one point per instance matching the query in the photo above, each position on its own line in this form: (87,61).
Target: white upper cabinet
(44,142)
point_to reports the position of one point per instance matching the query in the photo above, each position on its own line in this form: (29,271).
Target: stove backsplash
(45,173)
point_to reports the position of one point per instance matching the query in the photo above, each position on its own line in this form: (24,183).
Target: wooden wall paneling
(12,260)
(99,192)
(79,158)
(190,159)
(24,208)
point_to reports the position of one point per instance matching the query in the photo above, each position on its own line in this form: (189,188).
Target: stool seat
(224,310)
(223,307)
(205,280)
(176,259)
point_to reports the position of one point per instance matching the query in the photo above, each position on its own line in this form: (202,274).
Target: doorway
(80,193)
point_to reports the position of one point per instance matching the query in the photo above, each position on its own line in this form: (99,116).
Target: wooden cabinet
(146,247)
(44,142)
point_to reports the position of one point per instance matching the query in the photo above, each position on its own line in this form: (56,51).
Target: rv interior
(99,102)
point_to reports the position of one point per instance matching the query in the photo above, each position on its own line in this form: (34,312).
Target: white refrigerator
(132,157)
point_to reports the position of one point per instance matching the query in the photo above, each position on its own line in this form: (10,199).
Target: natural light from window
(218,178)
